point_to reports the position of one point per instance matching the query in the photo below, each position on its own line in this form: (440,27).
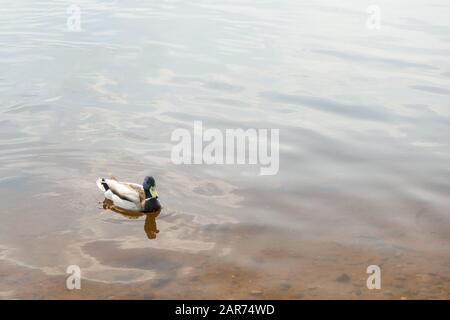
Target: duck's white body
(125,195)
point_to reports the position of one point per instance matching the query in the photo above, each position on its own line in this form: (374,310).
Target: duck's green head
(149,186)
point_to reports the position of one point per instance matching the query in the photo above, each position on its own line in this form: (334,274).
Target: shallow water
(364,119)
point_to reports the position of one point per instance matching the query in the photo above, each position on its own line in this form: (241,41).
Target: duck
(131,196)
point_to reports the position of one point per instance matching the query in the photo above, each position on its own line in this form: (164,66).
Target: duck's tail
(102,185)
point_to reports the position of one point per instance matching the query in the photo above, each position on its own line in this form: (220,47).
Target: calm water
(364,119)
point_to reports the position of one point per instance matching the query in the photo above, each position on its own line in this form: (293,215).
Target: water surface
(364,119)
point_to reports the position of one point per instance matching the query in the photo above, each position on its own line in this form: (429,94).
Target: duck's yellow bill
(153,192)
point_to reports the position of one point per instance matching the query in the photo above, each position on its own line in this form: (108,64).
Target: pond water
(364,122)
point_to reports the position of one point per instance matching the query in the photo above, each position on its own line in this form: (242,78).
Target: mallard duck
(131,196)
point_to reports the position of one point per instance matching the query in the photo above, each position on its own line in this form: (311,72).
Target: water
(364,128)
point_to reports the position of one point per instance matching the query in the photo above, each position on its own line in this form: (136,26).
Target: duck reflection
(150,227)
